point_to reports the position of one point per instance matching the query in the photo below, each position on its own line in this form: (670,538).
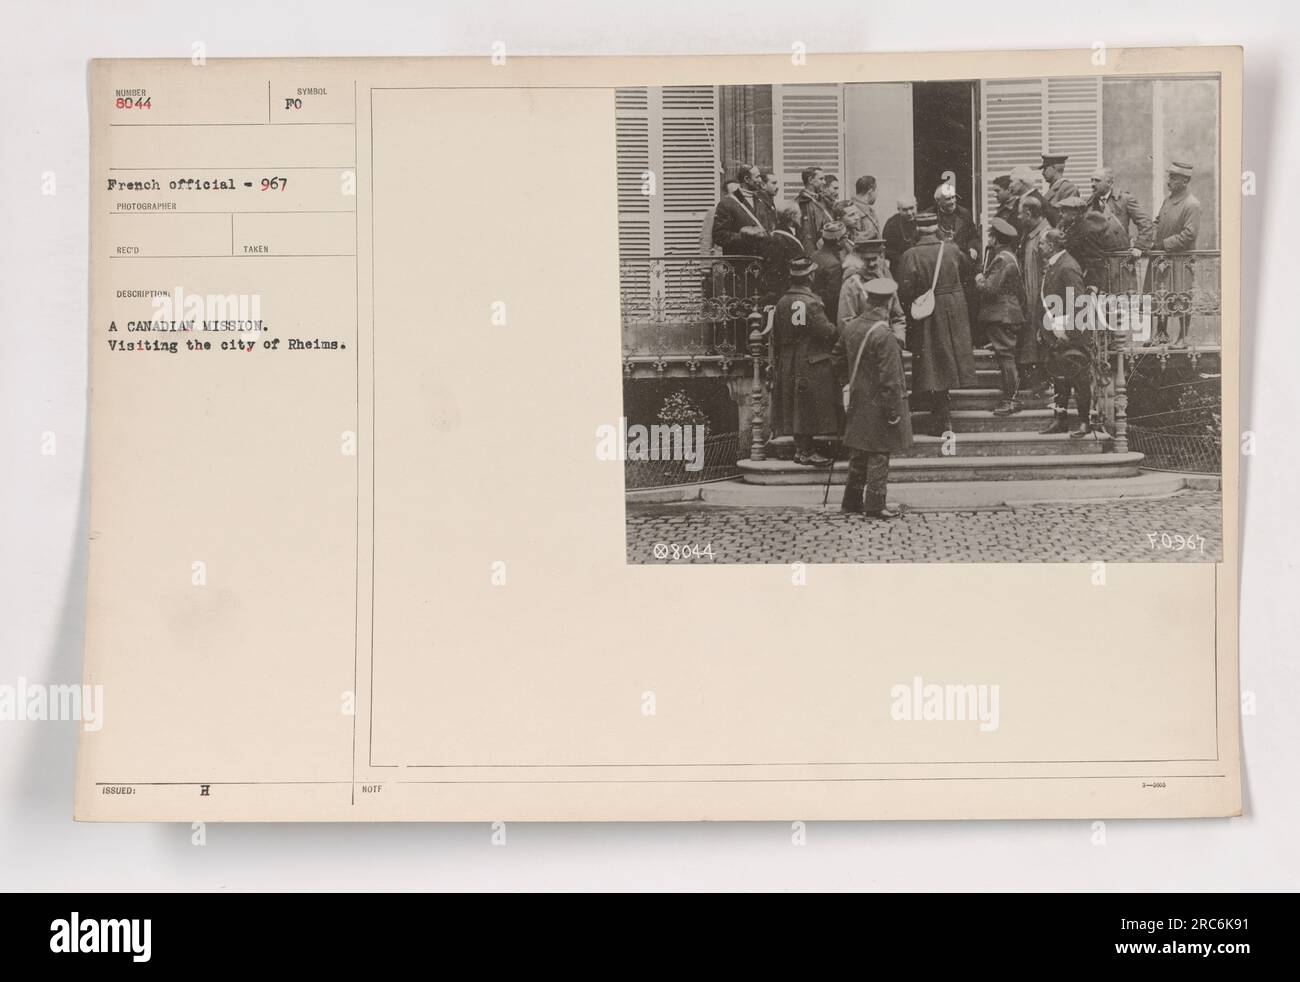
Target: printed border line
(316,122)
(729,780)
(175,167)
(374,457)
(373,509)
(356,551)
(845,763)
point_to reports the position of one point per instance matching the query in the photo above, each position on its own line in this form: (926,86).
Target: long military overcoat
(805,399)
(878,391)
(942,356)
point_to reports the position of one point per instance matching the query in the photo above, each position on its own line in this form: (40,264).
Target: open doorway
(943,127)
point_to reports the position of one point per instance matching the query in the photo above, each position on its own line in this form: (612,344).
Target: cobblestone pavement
(1185,527)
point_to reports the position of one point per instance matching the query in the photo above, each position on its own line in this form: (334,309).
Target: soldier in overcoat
(1126,209)
(1068,345)
(1177,225)
(1059,187)
(865,263)
(813,210)
(957,225)
(805,398)
(1001,290)
(869,361)
(942,357)
(1033,225)
(830,270)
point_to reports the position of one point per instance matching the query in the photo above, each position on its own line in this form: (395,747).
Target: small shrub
(679,409)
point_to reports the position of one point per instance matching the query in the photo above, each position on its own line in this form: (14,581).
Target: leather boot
(884,513)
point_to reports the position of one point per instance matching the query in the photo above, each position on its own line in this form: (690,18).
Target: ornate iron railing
(1165,304)
(721,451)
(685,314)
(1177,292)
(1166,449)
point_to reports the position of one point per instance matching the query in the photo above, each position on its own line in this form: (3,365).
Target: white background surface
(44,49)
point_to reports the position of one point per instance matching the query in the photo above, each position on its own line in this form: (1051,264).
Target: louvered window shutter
(632,137)
(1011,117)
(808,124)
(1023,118)
(671,132)
(1074,126)
(688,163)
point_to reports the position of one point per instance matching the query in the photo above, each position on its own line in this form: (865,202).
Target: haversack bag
(847,391)
(923,306)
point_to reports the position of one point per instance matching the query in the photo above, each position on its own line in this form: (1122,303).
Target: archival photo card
(856,443)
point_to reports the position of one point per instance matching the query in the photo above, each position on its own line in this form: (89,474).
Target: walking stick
(830,472)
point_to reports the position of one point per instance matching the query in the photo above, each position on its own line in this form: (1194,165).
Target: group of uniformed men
(851,293)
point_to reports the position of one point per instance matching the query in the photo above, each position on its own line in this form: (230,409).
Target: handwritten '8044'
(664,550)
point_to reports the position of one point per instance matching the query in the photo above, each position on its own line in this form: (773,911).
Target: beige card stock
(363,563)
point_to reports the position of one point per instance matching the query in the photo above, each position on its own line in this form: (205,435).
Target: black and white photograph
(928,321)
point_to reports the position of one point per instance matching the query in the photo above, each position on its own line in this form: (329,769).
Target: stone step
(985,378)
(988,398)
(983,421)
(1013,444)
(929,496)
(983,358)
(978,432)
(1012,467)
(987,373)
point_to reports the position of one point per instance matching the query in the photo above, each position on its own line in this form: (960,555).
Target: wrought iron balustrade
(1167,288)
(685,314)
(1169,304)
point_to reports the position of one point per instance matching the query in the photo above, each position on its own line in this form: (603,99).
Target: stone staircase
(987,447)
